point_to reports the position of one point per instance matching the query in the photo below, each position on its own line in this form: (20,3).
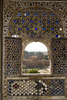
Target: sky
(36,46)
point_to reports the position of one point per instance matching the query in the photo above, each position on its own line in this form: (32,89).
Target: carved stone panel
(59,56)
(12,58)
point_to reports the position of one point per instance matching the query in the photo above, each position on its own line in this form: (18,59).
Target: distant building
(33,62)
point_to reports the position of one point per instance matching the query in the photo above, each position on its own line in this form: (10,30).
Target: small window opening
(36,59)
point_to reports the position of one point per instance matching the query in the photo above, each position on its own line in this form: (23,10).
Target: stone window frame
(47,43)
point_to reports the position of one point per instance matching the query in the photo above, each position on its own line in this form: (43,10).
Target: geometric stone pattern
(11,8)
(59,56)
(36,21)
(51,87)
(12,63)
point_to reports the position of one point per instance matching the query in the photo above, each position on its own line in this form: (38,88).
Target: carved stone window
(36,59)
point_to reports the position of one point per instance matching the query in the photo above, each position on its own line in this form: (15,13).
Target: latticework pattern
(36,22)
(21,23)
(12,56)
(11,8)
(59,55)
(45,87)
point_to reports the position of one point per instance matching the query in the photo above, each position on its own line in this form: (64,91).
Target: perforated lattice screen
(47,87)
(36,22)
(12,56)
(59,56)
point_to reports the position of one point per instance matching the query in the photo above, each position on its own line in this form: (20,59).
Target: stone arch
(41,41)
(36,40)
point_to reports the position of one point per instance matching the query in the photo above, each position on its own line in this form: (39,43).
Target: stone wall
(11,12)
(0,40)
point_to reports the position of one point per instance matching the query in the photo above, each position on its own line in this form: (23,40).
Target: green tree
(33,71)
(26,52)
(45,57)
(31,52)
(39,53)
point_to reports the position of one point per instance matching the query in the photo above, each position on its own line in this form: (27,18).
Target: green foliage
(31,53)
(40,64)
(26,52)
(23,66)
(39,53)
(33,71)
(45,57)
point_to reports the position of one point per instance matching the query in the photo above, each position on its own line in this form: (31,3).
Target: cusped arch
(36,40)
(45,44)
(28,42)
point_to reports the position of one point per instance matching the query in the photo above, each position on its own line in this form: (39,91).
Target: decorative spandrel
(35,22)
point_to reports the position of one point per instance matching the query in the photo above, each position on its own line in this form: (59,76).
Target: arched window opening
(36,59)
